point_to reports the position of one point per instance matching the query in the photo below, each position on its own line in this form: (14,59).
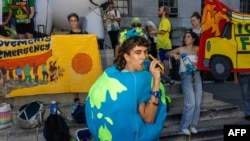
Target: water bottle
(188,64)
(53,107)
(73,108)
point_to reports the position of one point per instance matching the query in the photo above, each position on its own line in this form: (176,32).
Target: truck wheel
(220,67)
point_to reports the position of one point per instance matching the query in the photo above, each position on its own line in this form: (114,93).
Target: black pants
(113,35)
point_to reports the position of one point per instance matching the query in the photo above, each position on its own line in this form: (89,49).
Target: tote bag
(5,115)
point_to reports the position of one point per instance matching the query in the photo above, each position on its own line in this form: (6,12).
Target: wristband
(155,104)
(156,94)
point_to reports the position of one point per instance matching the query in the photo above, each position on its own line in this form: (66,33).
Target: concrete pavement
(227,92)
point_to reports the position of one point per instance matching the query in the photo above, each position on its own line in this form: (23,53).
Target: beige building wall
(148,10)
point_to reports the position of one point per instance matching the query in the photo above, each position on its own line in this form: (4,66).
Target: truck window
(226,32)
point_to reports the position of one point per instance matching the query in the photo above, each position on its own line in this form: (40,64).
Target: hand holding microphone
(151,58)
(146,65)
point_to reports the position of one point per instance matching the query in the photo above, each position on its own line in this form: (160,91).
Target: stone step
(107,57)
(177,99)
(214,110)
(15,133)
(66,100)
(213,117)
(63,98)
(211,129)
(173,89)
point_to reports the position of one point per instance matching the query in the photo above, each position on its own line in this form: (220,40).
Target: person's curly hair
(126,47)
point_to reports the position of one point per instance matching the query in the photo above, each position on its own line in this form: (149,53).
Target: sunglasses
(136,25)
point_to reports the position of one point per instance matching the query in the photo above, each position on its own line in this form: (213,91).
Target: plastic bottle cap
(53,102)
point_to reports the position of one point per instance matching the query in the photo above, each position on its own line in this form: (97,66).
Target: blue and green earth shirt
(112,107)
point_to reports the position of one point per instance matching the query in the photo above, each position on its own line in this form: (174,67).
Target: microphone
(146,65)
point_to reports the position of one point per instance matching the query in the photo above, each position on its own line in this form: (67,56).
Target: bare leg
(21,36)
(30,36)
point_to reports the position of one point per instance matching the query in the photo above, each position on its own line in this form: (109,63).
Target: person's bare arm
(115,19)
(154,32)
(8,18)
(194,63)
(32,12)
(148,110)
(161,32)
(197,51)
(175,53)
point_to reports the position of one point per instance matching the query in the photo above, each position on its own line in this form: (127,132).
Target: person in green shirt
(6,12)
(26,70)
(24,18)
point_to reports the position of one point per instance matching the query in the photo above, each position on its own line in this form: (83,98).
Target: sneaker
(186,131)
(194,130)
(167,79)
(171,82)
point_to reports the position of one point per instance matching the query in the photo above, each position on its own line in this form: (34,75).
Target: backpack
(56,129)
(30,115)
(79,113)
(5,115)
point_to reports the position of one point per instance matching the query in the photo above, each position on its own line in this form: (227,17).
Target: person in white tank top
(190,82)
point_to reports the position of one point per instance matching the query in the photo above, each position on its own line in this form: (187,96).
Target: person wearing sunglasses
(135,23)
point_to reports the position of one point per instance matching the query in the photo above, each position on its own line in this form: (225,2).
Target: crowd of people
(129,55)
(24,27)
(141,101)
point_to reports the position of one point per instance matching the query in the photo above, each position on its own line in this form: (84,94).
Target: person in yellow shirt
(163,43)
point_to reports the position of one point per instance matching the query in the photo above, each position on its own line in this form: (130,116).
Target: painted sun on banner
(49,65)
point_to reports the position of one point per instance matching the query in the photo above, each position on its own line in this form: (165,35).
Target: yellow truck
(225,40)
